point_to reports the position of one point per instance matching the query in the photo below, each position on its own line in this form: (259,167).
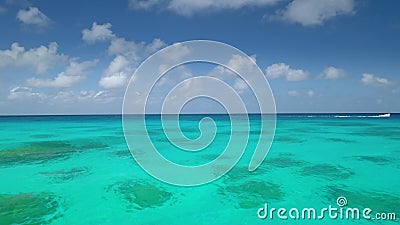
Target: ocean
(79,170)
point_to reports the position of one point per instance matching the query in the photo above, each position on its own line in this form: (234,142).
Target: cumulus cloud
(28,94)
(315,12)
(74,73)
(190,7)
(61,80)
(371,79)
(184,7)
(283,70)
(98,32)
(40,59)
(242,64)
(114,81)
(117,73)
(294,93)
(237,63)
(25,93)
(143,4)
(333,73)
(133,50)
(127,54)
(83,96)
(305,12)
(33,16)
(176,53)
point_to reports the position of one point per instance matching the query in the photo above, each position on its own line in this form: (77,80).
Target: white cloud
(371,79)
(135,51)
(237,63)
(184,7)
(98,32)
(74,73)
(117,73)
(25,93)
(173,76)
(242,64)
(40,59)
(283,70)
(82,96)
(33,16)
(143,4)
(128,54)
(118,64)
(120,46)
(240,85)
(315,12)
(293,93)
(176,53)
(62,97)
(154,46)
(333,73)
(61,80)
(114,81)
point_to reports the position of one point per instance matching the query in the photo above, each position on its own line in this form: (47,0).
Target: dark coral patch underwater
(42,151)
(328,171)
(140,194)
(67,175)
(284,161)
(30,208)
(251,194)
(36,152)
(379,160)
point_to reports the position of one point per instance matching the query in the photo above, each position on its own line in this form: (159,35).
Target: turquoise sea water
(78,170)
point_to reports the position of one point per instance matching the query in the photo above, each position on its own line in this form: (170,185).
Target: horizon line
(120,114)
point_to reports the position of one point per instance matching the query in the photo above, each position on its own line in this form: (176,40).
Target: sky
(77,57)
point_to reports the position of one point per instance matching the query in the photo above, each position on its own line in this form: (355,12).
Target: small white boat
(384,115)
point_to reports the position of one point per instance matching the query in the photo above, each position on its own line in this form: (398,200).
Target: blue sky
(319,56)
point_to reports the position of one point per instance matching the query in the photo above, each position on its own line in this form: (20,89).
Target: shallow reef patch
(251,194)
(36,152)
(286,139)
(42,151)
(327,171)
(67,175)
(140,194)
(341,140)
(284,161)
(379,160)
(30,208)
